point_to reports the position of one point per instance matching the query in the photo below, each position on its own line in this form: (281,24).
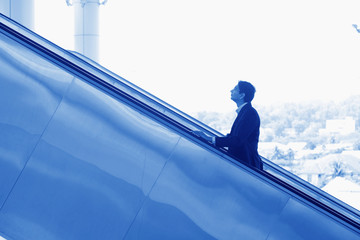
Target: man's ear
(242,95)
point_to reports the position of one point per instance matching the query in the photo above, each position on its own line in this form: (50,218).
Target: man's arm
(245,126)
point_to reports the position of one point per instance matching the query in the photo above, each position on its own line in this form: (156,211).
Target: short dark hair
(248,89)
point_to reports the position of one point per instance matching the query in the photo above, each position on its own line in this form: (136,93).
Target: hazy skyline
(191,53)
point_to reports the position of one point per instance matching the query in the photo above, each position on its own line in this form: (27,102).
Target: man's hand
(203,135)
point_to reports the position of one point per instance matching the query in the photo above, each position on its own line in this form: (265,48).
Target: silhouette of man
(242,141)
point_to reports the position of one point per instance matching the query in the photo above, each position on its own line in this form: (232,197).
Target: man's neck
(240,103)
(240,107)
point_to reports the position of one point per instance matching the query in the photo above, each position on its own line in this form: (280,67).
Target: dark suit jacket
(244,137)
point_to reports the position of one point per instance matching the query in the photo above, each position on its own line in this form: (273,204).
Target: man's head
(243,92)
(248,89)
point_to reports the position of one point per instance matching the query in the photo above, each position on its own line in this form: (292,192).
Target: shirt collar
(240,107)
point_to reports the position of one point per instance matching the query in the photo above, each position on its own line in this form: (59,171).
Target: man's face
(236,96)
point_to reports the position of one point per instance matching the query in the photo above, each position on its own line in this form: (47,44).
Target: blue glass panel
(100,169)
(91,172)
(301,221)
(30,91)
(201,196)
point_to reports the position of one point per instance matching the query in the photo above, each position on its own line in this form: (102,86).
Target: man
(242,141)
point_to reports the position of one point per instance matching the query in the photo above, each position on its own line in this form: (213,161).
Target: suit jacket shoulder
(248,118)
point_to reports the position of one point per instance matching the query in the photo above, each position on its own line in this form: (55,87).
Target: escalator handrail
(312,190)
(268,165)
(58,55)
(150,97)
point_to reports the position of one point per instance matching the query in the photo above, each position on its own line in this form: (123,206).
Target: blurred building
(339,126)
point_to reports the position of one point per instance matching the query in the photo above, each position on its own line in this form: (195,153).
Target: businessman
(242,141)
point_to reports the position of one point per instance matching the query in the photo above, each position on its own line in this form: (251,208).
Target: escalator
(85,154)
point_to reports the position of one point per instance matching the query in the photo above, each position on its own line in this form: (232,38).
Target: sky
(191,53)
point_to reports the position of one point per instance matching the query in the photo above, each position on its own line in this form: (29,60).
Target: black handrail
(80,68)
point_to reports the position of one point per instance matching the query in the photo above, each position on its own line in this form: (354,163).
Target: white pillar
(87,27)
(22,11)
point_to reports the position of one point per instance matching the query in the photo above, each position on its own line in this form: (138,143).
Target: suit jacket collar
(240,107)
(238,110)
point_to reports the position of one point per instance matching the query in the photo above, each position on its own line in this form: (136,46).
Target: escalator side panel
(98,75)
(26,81)
(201,196)
(300,221)
(88,177)
(85,160)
